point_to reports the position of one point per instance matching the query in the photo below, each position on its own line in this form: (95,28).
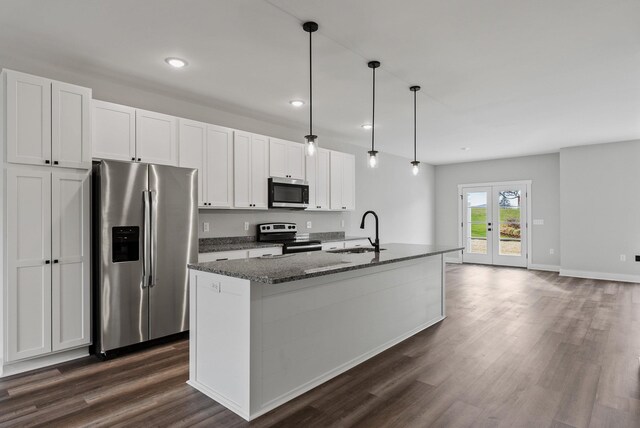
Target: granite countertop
(297,266)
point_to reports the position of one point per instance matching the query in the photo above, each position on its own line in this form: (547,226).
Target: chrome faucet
(376,243)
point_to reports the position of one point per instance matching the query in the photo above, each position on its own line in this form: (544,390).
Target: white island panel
(263,344)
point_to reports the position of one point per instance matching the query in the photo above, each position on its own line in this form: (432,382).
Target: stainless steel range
(287,235)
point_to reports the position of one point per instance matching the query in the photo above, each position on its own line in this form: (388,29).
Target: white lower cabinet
(48,262)
(239,254)
(70,247)
(28,303)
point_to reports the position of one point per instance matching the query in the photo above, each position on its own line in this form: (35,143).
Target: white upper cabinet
(114,131)
(219,177)
(28,289)
(342,181)
(286,159)
(250,170)
(156,139)
(70,250)
(318,177)
(47,122)
(28,118)
(70,125)
(209,148)
(259,170)
(193,152)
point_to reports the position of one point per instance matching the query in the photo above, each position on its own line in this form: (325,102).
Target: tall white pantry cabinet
(45,217)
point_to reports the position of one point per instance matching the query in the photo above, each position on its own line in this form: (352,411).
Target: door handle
(147,232)
(153,196)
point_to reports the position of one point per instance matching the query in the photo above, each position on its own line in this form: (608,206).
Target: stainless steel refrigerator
(145,233)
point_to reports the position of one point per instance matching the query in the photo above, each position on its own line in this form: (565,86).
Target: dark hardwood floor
(518,349)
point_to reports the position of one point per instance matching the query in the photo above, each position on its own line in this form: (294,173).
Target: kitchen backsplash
(232,223)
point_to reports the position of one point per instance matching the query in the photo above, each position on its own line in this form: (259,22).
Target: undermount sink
(358,250)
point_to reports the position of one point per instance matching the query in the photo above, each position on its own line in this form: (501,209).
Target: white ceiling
(502,77)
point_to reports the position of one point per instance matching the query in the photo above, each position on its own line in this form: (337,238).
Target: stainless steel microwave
(288,193)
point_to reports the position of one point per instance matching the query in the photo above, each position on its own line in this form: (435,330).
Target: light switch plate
(205,227)
(623,257)
(308,225)
(246,225)
(341,223)
(552,251)
(538,221)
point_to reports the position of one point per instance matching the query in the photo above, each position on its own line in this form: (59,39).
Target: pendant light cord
(310,86)
(373,113)
(415,95)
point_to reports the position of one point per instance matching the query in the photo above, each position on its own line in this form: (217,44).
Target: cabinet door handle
(220,260)
(133,159)
(139,160)
(55,261)
(46,262)
(47,161)
(55,162)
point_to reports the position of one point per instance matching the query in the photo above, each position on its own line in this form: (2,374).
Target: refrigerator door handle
(153,197)
(146,238)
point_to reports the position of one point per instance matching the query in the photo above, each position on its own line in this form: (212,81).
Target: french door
(494,224)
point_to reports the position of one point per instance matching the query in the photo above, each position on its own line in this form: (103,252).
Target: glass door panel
(509,202)
(477,225)
(494,225)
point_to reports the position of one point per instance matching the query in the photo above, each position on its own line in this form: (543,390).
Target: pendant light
(415,162)
(373,153)
(311,141)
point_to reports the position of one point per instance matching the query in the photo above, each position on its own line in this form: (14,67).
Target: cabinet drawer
(222,255)
(357,243)
(259,252)
(333,246)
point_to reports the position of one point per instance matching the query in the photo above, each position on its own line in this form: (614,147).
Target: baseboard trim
(605,276)
(10,369)
(548,268)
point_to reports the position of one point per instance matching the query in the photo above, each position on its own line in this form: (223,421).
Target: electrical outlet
(308,225)
(246,225)
(205,227)
(623,258)
(341,223)
(538,222)
(552,251)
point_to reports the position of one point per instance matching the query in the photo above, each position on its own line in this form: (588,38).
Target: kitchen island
(266,330)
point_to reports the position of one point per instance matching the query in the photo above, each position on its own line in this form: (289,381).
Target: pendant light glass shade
(311,144)
(415,168)
(373,153)
(311,140)
(373,158)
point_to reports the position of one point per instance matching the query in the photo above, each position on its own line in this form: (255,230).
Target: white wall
(543,170)
(600,210)
(403,202)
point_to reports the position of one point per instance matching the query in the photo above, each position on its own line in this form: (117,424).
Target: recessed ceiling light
(296,103)
(464,149)
(176,62)
(366,126)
